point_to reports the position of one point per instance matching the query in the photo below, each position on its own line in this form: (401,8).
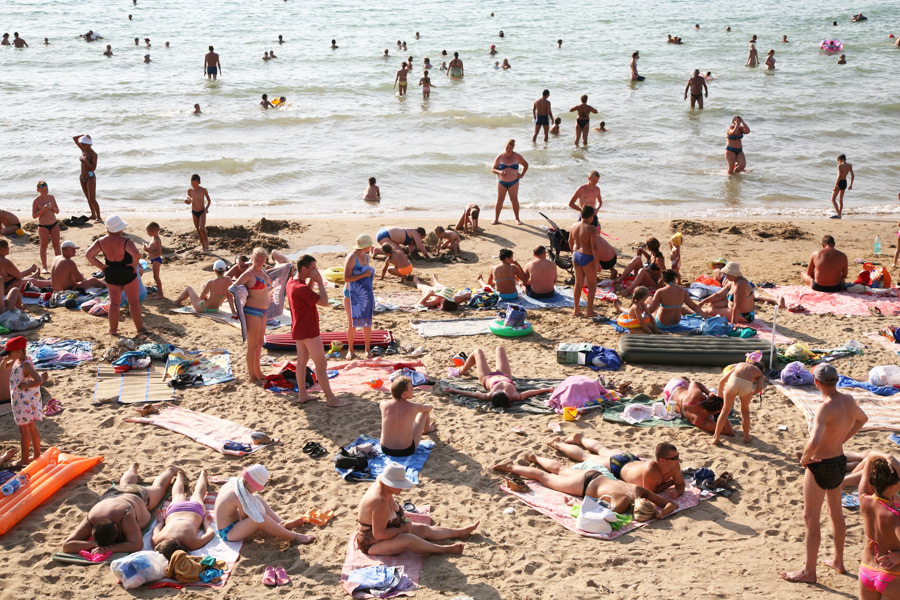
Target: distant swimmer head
(210,48)
(545,93)
(501,33)
(371,181)
(510,144)
(86,140)
(265,96)
(728,28)
(456,55)
(602,124)
(635,54)
(842,158)
(557,121)
(584,97)
(594,177)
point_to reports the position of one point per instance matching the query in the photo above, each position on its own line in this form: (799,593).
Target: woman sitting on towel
(668,302)
(696,403)
(741,307)
(440,296)
(879,565)
(178,526)
(637,319)
(259,289)
(503,276)
(584,482)
(384,529)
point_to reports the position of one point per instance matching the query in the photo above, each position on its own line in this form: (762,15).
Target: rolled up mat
(284,341)
(704,351)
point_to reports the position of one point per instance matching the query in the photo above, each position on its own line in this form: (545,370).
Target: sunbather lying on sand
(696,403)
(656,475)
(581,481)
(501,391)
(440,296)
(178,527)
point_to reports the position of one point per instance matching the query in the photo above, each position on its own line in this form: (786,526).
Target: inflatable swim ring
(831,45)
(334,274)
(498,328)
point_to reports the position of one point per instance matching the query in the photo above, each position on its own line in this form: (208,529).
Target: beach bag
(139,568)
(798,351)
(345,460)
(515,316)
(594,517)
(796,374)
(484,300)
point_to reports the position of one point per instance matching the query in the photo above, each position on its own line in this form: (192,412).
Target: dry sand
(725,548)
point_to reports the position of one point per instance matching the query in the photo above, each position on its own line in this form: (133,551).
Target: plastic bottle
(877,245)
(14,484)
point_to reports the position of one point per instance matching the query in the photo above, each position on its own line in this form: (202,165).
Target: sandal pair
(275,576)
(314,450)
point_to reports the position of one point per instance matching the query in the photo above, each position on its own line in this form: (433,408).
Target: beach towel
(410,561)
(229,552)
(453,327)
(889,345)
(533,405)
(352,376)
(213,365)
(553,504)
(883,411)
(615,414)
(362,297)
(843,303)
(562,298)
(413,463)
(275,316)
(204,429)
(51,354)
(134,386)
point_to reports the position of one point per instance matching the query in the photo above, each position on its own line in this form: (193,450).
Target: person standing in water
(425,82)
(734,151)
(587,194)
(753,58)
(211,64)
(455,67)
(634,73)
(698,89)
(506,168)
(770,61)
(542,114)
(840,186)
(583,122)
(88,176)
(401,79)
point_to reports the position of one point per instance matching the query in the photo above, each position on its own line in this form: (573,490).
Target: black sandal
(309,447)
(317,451)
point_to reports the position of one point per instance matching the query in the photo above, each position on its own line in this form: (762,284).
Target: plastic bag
(796,374)
(716,326)
(515,316)
(798,351)
(885,376)
(139,568)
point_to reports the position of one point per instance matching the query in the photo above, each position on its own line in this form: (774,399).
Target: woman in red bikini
(259,286)
(879,566)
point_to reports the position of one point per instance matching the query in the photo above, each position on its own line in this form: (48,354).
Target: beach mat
(553,504)
(842,303)
(225,316)
(413,463)
(883,411)
(285,341)
(132,387)
(613,414)
(352,377)
(535,405)
(410,561)
(204,429)
(562,298)
(213,365)
(452,327)
(695,350)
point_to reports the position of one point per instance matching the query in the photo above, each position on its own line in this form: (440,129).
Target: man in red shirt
(305,326)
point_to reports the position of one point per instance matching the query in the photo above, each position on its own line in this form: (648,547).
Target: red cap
(13,344)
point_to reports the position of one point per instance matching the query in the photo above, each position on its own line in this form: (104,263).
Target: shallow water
(344,123)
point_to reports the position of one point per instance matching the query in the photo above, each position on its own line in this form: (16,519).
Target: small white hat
(68,244)
(86,140)
(394,476)
(115,224)
(256,477)
(220,265)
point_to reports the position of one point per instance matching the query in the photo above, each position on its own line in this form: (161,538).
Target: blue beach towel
(362,297)
(413,464)
(846,382)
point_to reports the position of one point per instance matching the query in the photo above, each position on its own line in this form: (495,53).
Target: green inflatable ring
(498,328)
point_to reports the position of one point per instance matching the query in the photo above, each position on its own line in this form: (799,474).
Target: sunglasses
(675,458)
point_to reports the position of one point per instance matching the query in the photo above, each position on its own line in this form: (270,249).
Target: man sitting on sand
(827,268)
(655,475)
(13,277)
(501,391)
(584,482)
(403,422)
(115,522)
(540,275)
(214,292)
(240,512)
(9,223)
(177,527)
(64,273)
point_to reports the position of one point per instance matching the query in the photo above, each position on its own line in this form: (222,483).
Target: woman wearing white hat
(120,271)
(736,289)
(88,176)
(359,293)
(384,530)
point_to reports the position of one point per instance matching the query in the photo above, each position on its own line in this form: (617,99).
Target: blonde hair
(511,143)
(259,250)
(640,292)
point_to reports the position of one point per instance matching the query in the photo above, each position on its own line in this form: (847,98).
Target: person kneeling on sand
(655,475)
(64,273)
(384,529)
(403,422)
(178,526)
(501,391)
(696,404)
(393,255)
(239,512)
(214,292)
(584,482)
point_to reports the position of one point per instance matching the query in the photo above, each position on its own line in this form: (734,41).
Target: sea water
(344,123)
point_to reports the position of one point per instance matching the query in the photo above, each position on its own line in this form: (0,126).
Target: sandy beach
(724,548)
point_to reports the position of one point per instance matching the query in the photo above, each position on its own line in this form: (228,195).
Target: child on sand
(196,196)
(154,255)
(447,240)
(44,209)
(402,267)
(214,292)
(742,380)
(637,319)
(403,422)
(425,82)
(373,194)
(469,218)
(25,395)
(675,255)
(555,129)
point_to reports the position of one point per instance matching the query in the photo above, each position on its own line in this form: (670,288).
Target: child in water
(373,194)
(425,82)
(555,129)
(601,128)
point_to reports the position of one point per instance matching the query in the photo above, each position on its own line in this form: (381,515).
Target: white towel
(252,506)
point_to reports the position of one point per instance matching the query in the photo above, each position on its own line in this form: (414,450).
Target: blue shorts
(212,70)
(382,235)
(223,533)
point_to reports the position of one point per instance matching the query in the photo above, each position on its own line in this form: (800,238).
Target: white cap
(394,475)
(86,140)
(115,224)
(68,244)
(220,265)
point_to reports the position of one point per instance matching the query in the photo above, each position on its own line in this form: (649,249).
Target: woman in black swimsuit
(44,209)
(120,272)
(583,122)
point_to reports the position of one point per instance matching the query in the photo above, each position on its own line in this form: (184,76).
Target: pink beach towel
(411,562)
(202,428)
(553,504)
(764,332)
(883,411)
(353,375)
(843,303)
(889,345)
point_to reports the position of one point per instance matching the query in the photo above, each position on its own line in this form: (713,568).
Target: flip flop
(309,447)
(281,576)
(53,407)
(317,451)
(269,576)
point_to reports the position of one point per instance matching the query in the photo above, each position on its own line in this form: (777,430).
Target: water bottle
(13,484)
(877,245)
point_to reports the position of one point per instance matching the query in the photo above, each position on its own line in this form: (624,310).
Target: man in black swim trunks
(542,114)
(840,186)
(837,419)
(541,275)
(827,268)
(115,522)
(697,86)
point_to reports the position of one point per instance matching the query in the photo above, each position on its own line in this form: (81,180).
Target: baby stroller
(559,242)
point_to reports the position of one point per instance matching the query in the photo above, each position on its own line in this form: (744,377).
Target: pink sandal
(281,576)
(269,576)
